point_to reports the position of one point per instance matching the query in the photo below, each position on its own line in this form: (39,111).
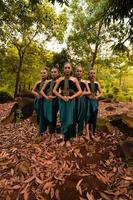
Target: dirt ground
(44,170)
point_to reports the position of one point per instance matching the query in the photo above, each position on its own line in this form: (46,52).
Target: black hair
(54,67)
(91,69)
(67,62)
(44,68)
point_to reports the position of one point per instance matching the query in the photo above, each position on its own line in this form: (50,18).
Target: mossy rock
(21,110)
(104,125)
(23,167)
(110,108)
(124,122)
(127,118)
(126,151)
(5,97)
(26,93)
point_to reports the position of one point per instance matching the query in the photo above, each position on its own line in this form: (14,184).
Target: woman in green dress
(67,88)
(81,101)
(92,104)
(36,91)
(50,103)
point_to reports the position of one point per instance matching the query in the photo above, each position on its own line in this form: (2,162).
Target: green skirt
(80,113)
(49,115)
(67,118)
(91,116)
(38,105)
(91,109)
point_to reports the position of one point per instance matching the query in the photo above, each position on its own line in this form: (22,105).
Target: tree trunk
(96,46)
(21,56)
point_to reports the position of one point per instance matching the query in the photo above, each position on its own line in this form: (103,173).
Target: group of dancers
(75,99)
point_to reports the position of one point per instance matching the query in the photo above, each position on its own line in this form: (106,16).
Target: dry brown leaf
(48,185)
(90,196)
(52,193)
(47,191)
(57,194)
(101,177)
(8,198)
(3,155)
(12,172)
(38,180)
(104,196)
(80,190)
(26,195)
(29,179)
(25,189)
(15,187)
(80,155)
(128,178)
(77,166)
(78,184)
(117,193)
(81,198)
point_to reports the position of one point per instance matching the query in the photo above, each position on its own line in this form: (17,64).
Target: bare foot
(81,139)
(62,144)
(52,139)
(68,144)
(87,137)
(94,138)
(75,139)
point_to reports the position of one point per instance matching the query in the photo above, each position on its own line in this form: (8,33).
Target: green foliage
(26,26)
(19,114)
(21,26)
(61,58)
(35,59)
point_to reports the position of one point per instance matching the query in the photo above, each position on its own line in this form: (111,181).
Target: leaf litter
(46,170)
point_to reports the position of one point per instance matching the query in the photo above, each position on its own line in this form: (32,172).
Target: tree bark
(21,56)
(96,46)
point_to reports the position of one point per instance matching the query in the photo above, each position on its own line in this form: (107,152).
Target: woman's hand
(92,97)
(50,97)
(65,98)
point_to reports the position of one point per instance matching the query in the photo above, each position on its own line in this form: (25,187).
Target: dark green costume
(50,109)
(67,109)
(81,110)
(92,107)
(38,102)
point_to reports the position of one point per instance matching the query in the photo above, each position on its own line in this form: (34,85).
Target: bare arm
(79,92)
(34,90)
(42,90)
(87,91)
(55,89)
(100,91)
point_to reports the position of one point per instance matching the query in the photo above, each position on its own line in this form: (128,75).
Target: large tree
(21,25)
(86,36)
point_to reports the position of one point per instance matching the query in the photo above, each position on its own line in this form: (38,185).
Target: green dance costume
(38,102)
(81,110)
(92,107)
(67,109)
(50,109)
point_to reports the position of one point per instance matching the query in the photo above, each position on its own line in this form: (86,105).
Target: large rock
(21,110)
(123,121)
(5,97)
(104,125)
(110,108)
(26,94)
(126,151)
(127,118)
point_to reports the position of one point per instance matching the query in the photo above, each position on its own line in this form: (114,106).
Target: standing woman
(67,89)
(81,101)
(50,103)
(36,91)
(92,108)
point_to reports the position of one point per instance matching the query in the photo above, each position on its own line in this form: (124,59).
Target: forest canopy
(100,36)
